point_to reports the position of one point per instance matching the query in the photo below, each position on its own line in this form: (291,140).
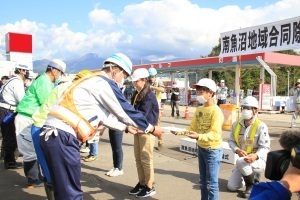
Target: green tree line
(250,78)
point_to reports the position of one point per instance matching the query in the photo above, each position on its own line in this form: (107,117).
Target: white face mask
(121,84)
(28,83)
(201,99)
(122,80)
(57,81)
(247,114)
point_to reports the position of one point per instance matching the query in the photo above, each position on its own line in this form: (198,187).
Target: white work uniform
(261,143)
(13,91)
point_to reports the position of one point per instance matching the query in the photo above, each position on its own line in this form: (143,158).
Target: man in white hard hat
(90,102)
(10,96)
(35,96)
(249,139)
(222,93)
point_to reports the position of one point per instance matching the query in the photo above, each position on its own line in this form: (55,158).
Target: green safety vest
(250,139)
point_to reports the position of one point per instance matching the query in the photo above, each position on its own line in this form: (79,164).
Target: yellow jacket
(207,122)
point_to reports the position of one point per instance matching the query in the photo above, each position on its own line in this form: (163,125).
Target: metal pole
(288,83)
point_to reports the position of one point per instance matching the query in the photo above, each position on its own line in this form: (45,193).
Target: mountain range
(89,61)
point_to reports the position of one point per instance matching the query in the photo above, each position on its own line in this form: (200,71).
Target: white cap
(58,64)
(222,81)
(21,66)
(206,82)
(250,101)
(139,73)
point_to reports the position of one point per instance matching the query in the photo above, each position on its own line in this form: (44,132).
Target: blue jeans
(94,149)
(209,167)
(116,139)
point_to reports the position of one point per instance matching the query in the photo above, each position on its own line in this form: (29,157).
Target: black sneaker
(137,189)
(146,192)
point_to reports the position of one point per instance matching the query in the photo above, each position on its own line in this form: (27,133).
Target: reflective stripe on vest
(250,139)
(66,111)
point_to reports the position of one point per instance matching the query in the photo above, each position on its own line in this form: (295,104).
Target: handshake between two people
(156,130)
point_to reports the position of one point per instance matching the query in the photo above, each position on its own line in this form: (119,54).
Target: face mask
(57,80)
(121,84)
(122,80)
(247,114)
(28,83)
(201,99)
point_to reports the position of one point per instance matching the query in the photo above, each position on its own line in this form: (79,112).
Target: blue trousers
(209,167)
(63,159)
(94,149)
(35,133)
(116,139)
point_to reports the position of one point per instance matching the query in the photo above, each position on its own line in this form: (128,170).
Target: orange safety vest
(250,140)
(66,111)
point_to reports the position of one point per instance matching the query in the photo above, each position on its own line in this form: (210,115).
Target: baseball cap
(139,73)
(207,82)
(222,81)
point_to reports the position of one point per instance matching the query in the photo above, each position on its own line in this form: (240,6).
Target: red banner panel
(17,42)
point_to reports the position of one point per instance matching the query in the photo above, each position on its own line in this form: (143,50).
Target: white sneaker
(109,172)
(116,172)
(85,150)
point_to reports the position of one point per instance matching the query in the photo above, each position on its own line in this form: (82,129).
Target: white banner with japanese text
(276,36)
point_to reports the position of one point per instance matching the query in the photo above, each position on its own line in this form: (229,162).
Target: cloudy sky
(152,30)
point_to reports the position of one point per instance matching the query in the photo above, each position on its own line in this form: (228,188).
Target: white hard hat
(121,60)
(58,64)
(139,73)
(250,101)
(21,66)
(207,82)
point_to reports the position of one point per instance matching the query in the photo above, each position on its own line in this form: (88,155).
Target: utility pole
(288,89)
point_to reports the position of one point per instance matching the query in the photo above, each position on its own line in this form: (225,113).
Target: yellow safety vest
(250,140)
(66,110)
(157,94)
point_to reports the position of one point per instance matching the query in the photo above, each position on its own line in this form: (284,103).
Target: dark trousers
(32,172)
(9,140)
(175,105)
(116,139)
(221,101)
(63,159)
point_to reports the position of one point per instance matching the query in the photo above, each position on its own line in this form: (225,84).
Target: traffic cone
(186,112)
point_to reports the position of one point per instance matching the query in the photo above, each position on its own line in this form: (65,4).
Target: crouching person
(249,139)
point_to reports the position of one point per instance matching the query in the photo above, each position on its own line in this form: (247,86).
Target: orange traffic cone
(186,112)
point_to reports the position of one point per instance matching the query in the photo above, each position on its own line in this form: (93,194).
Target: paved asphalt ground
(176,173)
